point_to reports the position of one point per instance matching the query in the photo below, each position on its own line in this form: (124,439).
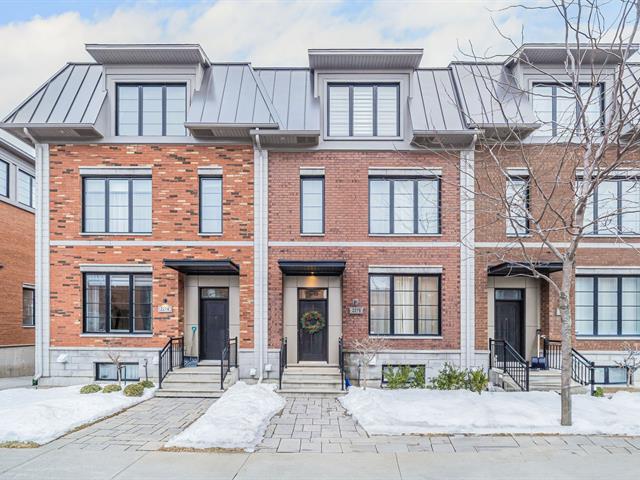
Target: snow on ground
(237,420)
(394,412)
(42,415)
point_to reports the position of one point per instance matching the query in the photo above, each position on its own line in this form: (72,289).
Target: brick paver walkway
(146,426)
(313,423)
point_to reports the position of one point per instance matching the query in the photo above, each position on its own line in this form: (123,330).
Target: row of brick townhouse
(207,202)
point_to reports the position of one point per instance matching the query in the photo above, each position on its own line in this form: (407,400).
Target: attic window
(363,110)
(156,110)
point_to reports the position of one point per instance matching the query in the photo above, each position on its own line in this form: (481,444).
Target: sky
(39,36)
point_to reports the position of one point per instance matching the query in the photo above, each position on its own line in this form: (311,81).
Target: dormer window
(363,110)
(156,110)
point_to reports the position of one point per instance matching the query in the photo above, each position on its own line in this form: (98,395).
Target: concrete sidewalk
(530,463)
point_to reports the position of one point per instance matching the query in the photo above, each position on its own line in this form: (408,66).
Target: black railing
(171,356)
(552,352)
(504,357)
(582,370)
(341,362)
(228,359)
(282,360)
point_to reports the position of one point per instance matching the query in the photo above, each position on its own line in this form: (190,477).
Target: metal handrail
(282,360)
(341,360)
(503,356)
(582,370)
(170,356)
(226,357)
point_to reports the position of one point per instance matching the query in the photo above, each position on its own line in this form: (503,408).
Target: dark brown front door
(214,322)
(509,317)
(312,346)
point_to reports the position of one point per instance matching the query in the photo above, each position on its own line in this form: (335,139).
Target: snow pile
(237,420)
(40,416)
(393,412)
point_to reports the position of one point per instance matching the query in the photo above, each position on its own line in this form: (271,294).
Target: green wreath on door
(312,322)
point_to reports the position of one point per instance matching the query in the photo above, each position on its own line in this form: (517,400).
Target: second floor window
(363,110)
(28,307)
(117,205)
(210,205)
(558,110)
(614,208)
(404,206)
(119,303)
(517,197)
(312,205)
(26,188)
(151,110)
(4,178)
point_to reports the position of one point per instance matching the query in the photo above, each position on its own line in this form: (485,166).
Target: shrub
(113,387)
(147,384)
(449,378)
(598,392)
(404,376)
(91,388)
(134,390)
(477,381)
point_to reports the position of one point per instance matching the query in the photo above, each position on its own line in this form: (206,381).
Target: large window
(404,304)
(4,178)
(26,188)
(312,205)
(363,110)
(117,303)
(117,205)
(517,196)
(614,208)
(151,109)
(211,205)
(608,305)
(404,206)
(558,110)
(28,307)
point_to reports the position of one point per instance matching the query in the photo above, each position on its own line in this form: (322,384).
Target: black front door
(214,322)
(509,317)
(313,325)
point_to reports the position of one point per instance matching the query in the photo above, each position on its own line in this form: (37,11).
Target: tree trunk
(566,332)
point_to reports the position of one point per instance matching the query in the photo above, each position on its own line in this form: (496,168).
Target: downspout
(258,270)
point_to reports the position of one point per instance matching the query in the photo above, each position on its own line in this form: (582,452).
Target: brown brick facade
(17,264)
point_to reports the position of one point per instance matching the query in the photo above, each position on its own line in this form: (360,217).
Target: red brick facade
(17,263)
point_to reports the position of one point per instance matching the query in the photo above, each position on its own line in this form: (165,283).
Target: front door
(509,317)
(313,325)
(214,322)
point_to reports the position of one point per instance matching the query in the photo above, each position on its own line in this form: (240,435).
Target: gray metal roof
(231,94)
(490,97)
(556,53)
(290,91)
(73,96)
(11,143)
(434,104)
(365,58)
(148,54)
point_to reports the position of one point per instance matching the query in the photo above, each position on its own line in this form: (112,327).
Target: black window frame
(122,365)
(606,375)
(415,180)
(107,178)
(141,86)
(132,330)
(304,178)
(32,180)
(8,183)
(595,307)
(375,86)
(200,191)
(416,306)
(554,102)
(595,200)
(33,306)
(527,226)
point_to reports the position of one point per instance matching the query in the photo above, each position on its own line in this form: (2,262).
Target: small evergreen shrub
(112,387)
(134,390)
(91,388)
(147,384)
(598,392)
(477,381)
(404,376)
(453,378)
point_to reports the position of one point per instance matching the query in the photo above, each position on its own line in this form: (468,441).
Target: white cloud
(265,33)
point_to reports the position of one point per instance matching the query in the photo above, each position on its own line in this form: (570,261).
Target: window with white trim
(517,197)
(363,110)
(151,109)
(312,204)
(4,178)
(614,208)
(129,372)
(211,204)
(28,307)
(26,191)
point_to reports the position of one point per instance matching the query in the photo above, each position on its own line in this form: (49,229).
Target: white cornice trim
(405,268)
(366,244)
(212,170)
(608,270)
(148,243)
(405,171)
(124,267)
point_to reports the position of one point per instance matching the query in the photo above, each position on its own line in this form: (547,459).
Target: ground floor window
(129,372)
(117,303)
(404,304)
(608,305)
(28,307)
(612,375)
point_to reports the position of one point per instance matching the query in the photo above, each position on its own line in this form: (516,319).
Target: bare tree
(115,358)
(630,362)
(366,350)
(542,197)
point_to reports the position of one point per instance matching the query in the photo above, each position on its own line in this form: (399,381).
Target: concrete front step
(171,393)
(199,370)
(313,391)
